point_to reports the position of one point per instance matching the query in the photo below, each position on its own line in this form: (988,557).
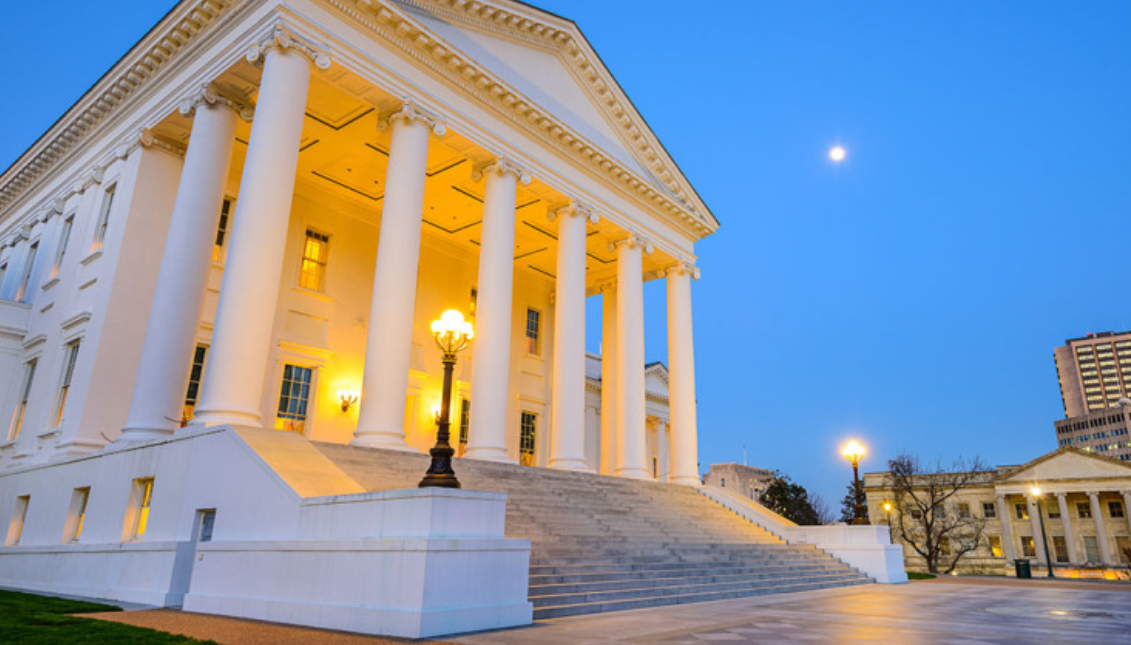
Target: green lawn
(915,575)
(27,618)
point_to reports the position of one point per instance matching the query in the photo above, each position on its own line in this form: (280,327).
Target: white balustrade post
(609,379)
(490,371)
(388,345)
(567,449)
(631,414)
(245,316)
(158,398)
(681,376)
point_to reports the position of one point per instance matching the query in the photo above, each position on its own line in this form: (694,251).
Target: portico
(326,211)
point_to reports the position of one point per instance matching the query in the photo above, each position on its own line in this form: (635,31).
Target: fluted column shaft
(662,434)
(1035,527)
(567,447)
(245,315)
(681,378)
(609,380)
(631,439)
(388,345)
(166,356)
(1066,522)
(490,372)
(1101,529)
(1005,520)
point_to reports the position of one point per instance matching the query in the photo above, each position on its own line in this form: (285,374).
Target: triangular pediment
(656,379)
(548,61)
(1067,464)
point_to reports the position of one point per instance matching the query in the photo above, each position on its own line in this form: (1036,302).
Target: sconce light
(436,413)
(348,397)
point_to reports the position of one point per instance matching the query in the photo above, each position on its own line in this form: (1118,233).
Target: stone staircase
(603,543)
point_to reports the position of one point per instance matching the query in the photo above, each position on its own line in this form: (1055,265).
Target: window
(464,423)
(29,265)
(207,523)
(70,354)
(314,253)
(137,518)
(1123,548)
(1053,511)
(103,221)
(1021,510)
(16,525)
(723,482)
(77,516)
(193,393)
(1028,549)
(25,394)
(1091,549)
(964,510)
(222,231)
(61,249)
(995,546)
(1115,509)
(1060,547)
(293,398)
(533,329)
(916,514)
(1083,510)
(944,545)
(527,434)
(989,511)
(3,273)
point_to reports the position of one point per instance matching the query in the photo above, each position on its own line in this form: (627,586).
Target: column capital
(632,240)
(607,286)
(1060,494)
(1093,494)
(410,112)
(1000,496)
(574,207)
(500,165)
(281,37)
(146,139)
(207,94)
(681,267)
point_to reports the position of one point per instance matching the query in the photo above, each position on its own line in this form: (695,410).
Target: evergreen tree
(848,504)
(790,500)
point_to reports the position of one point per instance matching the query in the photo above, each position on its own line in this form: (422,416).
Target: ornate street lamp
(453,334)
(1036,491)
(887,512)
(854,452)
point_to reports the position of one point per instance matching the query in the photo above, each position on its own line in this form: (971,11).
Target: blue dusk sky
(911,296)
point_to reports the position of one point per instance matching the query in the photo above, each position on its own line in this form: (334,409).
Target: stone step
(547,585)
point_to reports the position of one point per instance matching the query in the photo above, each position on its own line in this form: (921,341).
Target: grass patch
(915,575)
(28,618)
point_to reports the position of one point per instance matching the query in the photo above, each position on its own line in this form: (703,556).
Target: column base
(685,480)
(383,439)
(143,433)
(575,465)
(634,473)
(209,418)
(484,453)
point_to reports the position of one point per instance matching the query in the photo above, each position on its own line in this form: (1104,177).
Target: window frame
(65,232)
(311,396)
(102,223)
(18,520)
(20,413)
(76,517)
(536,340)
(223,230)
(138,511)
(24,288)
(195,380)
(70,359)
(527,447)
(324,264)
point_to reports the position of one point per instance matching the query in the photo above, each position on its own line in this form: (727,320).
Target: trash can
(1023,568)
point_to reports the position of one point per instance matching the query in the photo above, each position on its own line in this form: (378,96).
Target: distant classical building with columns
(1085,501)
(252,218)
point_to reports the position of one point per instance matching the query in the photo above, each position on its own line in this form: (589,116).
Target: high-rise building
(1094,372)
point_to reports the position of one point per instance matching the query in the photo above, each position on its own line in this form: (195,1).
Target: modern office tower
(1094,372)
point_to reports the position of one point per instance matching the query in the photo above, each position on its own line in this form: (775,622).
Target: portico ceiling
(344,156)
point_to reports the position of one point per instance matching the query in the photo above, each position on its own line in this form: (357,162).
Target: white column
(388,345)
(1035,527)
(166,356)
(609,379)
(1008,545)
(1127,507)
(249,293)
(567,449)
(681,376)
(1101,529)
(1066,522)
(491,352)
(631,444)
(662,451)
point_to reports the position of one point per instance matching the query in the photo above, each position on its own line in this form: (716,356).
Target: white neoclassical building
(252,218)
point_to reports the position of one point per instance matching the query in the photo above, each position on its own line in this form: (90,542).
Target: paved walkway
(967,611)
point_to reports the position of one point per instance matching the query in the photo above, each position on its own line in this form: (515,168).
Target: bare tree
(821,507)
(927,517)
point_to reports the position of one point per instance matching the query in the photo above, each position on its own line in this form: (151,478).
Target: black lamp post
(1044,537)
(854,452)
(453,334)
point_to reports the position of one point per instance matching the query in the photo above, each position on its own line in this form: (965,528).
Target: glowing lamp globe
(452,332)
(853,452)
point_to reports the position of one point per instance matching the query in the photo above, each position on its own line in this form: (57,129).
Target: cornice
(400,29)
(147,58)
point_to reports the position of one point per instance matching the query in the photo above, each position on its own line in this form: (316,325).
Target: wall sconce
(348,398)
(436,413)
